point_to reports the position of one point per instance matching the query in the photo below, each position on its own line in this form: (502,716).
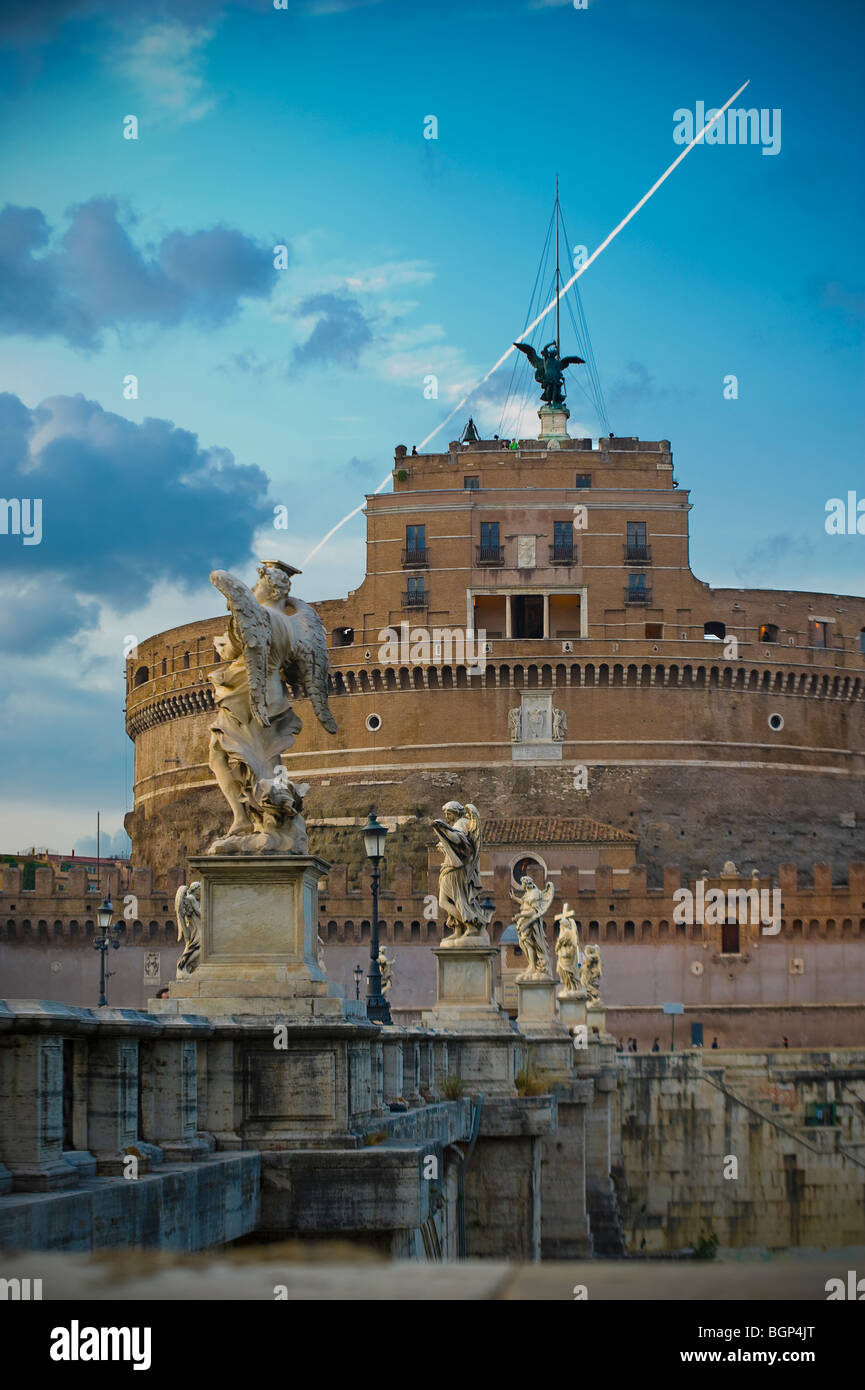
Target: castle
(623,727)
(599,683)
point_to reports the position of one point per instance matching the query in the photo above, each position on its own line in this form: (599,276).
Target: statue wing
(253,628)
(533,357)
(572,362)
(547,895)
(308,667)
(180,910)
(474,820)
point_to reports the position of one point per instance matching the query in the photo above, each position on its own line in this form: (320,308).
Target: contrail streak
(552,304)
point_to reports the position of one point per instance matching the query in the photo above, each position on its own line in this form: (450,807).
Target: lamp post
(358,976)
(104,913)
(377,1007)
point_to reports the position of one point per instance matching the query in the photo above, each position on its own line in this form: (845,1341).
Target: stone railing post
(219,1103)
(112,1095)
(169,1082)
(31,1092)
(393,1042)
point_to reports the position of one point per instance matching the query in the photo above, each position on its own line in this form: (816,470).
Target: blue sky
(406,256)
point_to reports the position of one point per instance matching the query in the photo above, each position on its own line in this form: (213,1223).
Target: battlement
(811,902)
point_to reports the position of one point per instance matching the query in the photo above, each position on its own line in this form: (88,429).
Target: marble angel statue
(460,888)
(568,951)
(533,903)
(590,974)
(274,645)
(187,911)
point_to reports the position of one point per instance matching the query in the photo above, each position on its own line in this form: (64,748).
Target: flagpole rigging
(558,343)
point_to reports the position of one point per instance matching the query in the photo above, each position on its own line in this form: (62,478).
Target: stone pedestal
(596,1017)
(259,931)
(536,1007)
(465,999)
(554,422)
(572,1008)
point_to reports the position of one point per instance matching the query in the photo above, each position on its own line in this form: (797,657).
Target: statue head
(274,582)
(452,811)
(551,350)
(526,883)
(195,889)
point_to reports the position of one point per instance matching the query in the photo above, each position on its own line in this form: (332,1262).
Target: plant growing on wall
(706,1247)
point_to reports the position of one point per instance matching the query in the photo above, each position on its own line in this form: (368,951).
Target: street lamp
(358,976)
(104,913)
(377,1007)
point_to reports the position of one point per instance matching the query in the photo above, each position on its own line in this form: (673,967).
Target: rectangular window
(729,938)
(819,633)
(489,534)
(636,583)
(654,630)
(563,535)
(821,1112)
(415,584)
(415,537)
(472,482)
(583,480)
(636,533)
(527,615)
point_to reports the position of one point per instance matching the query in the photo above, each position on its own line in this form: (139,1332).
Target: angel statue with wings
(187,911)
(460,887)
(534,902)
(274,645)
(549,370)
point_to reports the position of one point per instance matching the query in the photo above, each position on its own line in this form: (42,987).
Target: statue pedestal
(596,1017)
(572,1008)
(464,995)
(536,1007)
(259,934)
(554,422)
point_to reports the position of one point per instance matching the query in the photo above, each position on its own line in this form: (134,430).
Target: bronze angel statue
(459,835)
(274,645)
(549,370)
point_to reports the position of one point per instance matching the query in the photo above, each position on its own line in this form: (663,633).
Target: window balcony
(415,598)
(415,557)
(642,596)
(490,555)
(638,554)
(563,555)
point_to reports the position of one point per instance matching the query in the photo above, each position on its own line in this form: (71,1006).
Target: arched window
(716,632)
(530,867)
(141,675)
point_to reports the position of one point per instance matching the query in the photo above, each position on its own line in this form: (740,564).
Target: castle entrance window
(729,938)
(528,868)
(527,615)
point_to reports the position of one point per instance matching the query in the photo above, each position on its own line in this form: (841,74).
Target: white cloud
(165,63)
(389,275)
